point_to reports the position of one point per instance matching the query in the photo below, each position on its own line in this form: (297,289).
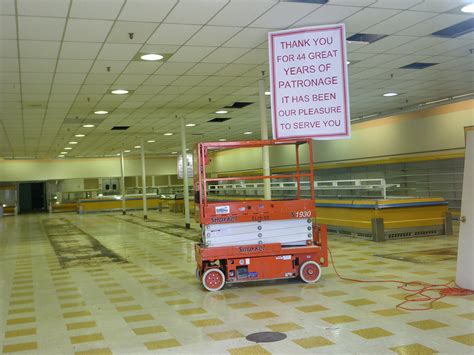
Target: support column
(185,175)
(267,192)
(145,207)
(122,182)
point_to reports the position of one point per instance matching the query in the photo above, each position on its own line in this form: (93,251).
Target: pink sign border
(344,66)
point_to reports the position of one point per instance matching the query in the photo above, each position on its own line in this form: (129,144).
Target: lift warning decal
(222,209)
(308,81)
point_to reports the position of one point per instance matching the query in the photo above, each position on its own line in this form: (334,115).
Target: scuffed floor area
(107,283)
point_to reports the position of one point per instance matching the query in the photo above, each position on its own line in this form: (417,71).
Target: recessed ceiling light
(348,62)
(88,125)
(72,142)
(101,112)
(390,94)
(117,154)
(222,111)
(137,146)
(468,8)
(151,57)
(267,93)
(222,140)
(119,92)
(79,135)
(168,134)
(63,153)
(68,148)
(174,152)
(151,141)
(127,151)
(247,132)
(60,156)
(190,125)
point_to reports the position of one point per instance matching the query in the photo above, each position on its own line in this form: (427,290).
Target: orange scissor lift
(253,240)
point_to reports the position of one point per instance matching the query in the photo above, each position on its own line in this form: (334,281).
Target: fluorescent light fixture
(151,57)
(222,111)
(79,135)
(127,151)
(168,134)
(137,146)
(119,92)
(248,132)
(151,141)
(72,142)
(101,112)
(468,9)
(268,93)
(222,140)
(68,148)
(390,94)
(88,126)
(190,125)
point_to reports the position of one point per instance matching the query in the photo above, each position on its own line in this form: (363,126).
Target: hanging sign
(309,84)
(189,165)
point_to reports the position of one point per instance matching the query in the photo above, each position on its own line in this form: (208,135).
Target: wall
(432,130)
(58,169)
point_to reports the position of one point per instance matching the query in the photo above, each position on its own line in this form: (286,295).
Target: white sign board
(308,82)
(189,165)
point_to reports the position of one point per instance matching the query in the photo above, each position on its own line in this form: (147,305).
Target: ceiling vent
(219,119)
(418,65)
(365,38)
(119,128)
(239,104)
(456,30)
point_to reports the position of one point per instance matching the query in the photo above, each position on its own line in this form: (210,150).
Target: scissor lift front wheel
(310,272)
(213,279)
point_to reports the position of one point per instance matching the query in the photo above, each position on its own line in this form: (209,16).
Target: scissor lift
(253,240)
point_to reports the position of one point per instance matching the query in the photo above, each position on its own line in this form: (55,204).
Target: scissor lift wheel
(310,272)
(213,279)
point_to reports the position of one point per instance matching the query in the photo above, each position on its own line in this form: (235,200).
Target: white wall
(58,169)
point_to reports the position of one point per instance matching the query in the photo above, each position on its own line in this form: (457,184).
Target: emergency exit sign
(308,81)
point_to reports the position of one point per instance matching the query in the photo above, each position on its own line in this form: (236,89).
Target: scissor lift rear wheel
(213,279)
(310,272)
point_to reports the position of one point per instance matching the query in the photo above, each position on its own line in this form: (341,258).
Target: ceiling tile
(49,8)
(284,14)
(432,25)
(116,51)
(213,35)
(73,66)
(36,78)
(225,55)
(69,78)
(399,22)
(142,67)
(366,18)
(7,7)
(248,38)
(194,12)
(170,68)
(41,28)
(8,27)
(438,5)
(78,50)
(8,48)
(115,66)
(399,4)
(39,49)
(93,9)
(121,30)
(384,44)
(173,34)
(416,45)
(254,56)
(37,65)
(236,13)
(146,10)
(191,54)
(204,69)
(327,14)
(81,30)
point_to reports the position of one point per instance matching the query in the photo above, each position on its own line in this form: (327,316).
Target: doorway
(32,197)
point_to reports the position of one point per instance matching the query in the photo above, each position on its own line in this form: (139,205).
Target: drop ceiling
(60,59)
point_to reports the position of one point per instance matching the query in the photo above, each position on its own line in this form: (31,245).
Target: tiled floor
(100,284)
